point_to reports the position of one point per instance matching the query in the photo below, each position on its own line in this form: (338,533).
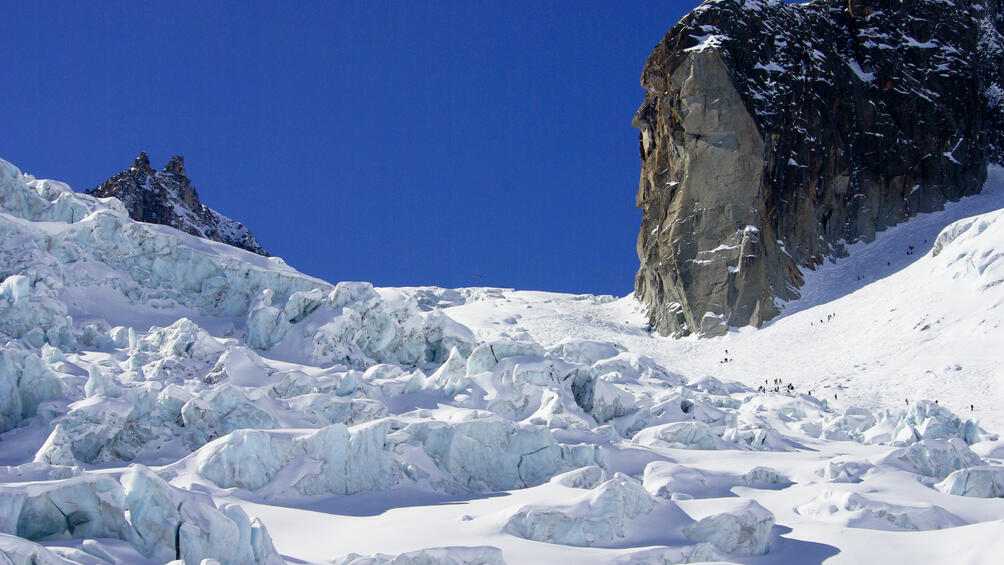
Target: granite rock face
(772,134)
(168,197)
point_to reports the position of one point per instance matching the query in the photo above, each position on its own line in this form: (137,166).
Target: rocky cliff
(168,197)
(772,134)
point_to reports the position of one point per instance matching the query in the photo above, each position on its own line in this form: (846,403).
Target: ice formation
(982,482)
(858,511)
(935,457)
(162,522)
(596,519)
(744,530)
(164,397)
(485,453)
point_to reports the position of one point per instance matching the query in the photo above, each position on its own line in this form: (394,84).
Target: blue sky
(403,143)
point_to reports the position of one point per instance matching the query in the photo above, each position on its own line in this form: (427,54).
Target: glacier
(165,398)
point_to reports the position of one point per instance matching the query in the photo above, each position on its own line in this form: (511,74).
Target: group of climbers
(778,386)
(829,317)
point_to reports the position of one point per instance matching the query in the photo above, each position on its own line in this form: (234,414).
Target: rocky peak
(772,134)
(176,166)
(169,198)
(142,163)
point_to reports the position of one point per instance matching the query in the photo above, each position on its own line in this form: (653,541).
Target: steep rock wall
(772,134)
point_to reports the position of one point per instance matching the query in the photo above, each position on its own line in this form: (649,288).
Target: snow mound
(597,519)
(585,352)
(681,435)
(585,477)
(981,482)
(711,385)
(35,471)
(765,477)
(18,551)
(744,530)
(671,555)
(674,481)
(431,556)
(857,511)
(844,471)
(969,249)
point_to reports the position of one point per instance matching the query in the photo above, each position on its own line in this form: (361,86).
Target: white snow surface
(163,397)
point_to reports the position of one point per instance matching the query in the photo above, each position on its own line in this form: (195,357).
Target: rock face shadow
(753,175)
(892,250)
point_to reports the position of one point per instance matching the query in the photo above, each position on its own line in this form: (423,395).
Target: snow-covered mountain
(169,198)
(163,397)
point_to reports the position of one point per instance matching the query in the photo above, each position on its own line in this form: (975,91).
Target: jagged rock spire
(176,165)
(169,198)
(142,162)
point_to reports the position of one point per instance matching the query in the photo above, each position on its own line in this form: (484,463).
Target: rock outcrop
(168,197)
(772,134)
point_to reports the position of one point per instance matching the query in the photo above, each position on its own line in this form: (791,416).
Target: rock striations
(772,134)
(169,198)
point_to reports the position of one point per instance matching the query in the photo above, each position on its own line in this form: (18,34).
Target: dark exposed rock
(169,198)
(772,134)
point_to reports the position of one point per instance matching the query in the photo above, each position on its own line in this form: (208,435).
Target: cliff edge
(772,134)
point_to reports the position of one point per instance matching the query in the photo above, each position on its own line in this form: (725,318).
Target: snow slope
(163,397)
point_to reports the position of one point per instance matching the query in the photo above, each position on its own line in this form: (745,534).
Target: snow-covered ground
(876,328)
(166,397)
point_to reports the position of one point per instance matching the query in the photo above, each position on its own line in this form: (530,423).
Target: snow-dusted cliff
(773,134)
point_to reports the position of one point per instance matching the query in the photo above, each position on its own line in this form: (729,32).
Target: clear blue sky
(403,143)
